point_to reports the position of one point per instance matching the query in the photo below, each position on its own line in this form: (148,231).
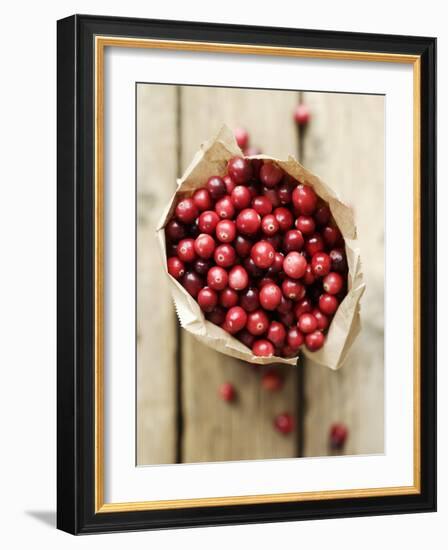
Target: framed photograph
(246,274)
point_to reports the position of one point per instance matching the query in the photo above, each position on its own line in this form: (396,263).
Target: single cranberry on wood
(271,380)
(284,423)
(302,114)
(338,435)
(227,391)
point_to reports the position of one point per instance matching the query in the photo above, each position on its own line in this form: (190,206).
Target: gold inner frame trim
(101,42)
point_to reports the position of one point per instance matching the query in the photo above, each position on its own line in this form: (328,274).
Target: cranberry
(192,283)
(307,323)
(322,320)
(229,183)
(285,305)
(277,264)
(288,319)
(321,264)
(238,278)
(225,231)
(216,187)
(314,244)
(284,192)
(236,319)
(293,289)
(225,255)
(242,137)
(304,199)
(288,352)
(204,246)
(202,199)
(302,114)
(262,205)
(176,267)
(294,338)
(249,299)
(315,340)
(322,215)
(277,333)
(309,277)
(171,249)
(193,229)
(328,304)
(186,251)
(217,278)
(284,423)
(333,283)
(240,170)
(246,338)
(271,380)
(306,224)
(263,348)
(228,298)
(270,296)
(284,218)
(256,163)
(243,246)
(227,391)
(272,195)
(338,260)
(304,306)
(241,197)
(331,235)
(269,225)
(175,231)
(293,240)
(224,208)
(201,266)
(338,435)
(275,240)
(262,254)
(186,211)
(253,190)
(207,299)
(207,221)
(265,281)
(251,268)
(248,222)
(270,174)
(257,322)
(294,265)
(217,316)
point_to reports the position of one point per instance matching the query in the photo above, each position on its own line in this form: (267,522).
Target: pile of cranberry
(262,256)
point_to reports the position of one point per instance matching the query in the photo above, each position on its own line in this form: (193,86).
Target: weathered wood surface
(344,144)
(214,430)
(156,321)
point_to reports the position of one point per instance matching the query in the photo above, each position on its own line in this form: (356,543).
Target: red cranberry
(277,264)
(207,221)
(293,240)
(309,277)
(338,435)
(229,183)
(241,197)
(249,299)
(275,240)
(284,218)
(176,267)
(204,246)
(262,254)
(193,229)
(228,298)
(294,265)
(256,163)
(238,278)
(243,246)
(201,266)
(270,296)
(277,333)
(217,316)
(225,255)
(186,211)
(242,137)
(284,192)
(175,231)
(304,306)
(253,189)
(285,305)
(284,423)
(314,244)
(270,174)
(207,299)
(246,338)
(262,205)
(307,323)
(293,289)
(186,251)
(302,114)
(315,340)
(216,187)
(235,319)
(171,249)
(240,170)
(257,322)
(272,195)
(269,225)
(202,199)
(192,283)
(263,348)
(248,222)
(306,224)
(294,338)
(332,236)
(227,391)
(287,319)
(328,304)
(224,208)
(322,215)
(251,268)
(321,264)
(265,281)
(304,199)
(338,260)
(225,231)
(271,380)
(288,352)
(217,278)
(322,320)
(333,283)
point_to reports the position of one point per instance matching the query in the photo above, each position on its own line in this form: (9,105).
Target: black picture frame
(75,295)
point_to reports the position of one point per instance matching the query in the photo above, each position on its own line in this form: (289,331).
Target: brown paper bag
(212,160)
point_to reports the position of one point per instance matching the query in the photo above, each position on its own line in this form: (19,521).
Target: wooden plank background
(179,415)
